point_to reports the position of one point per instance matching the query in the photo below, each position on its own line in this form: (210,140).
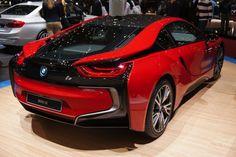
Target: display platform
(204,125)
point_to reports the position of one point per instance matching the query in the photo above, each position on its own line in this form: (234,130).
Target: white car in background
(22,23)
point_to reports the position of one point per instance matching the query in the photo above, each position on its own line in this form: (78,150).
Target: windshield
(86,40)
(20,10)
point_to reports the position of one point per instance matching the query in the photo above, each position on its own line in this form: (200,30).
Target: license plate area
(41,101)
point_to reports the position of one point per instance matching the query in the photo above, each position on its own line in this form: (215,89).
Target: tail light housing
(103,71)
(15,24)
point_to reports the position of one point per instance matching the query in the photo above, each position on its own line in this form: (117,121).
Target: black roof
(138,21)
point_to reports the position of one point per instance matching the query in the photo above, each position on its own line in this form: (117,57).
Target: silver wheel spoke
(155,118)
(161,122)
(166,93)
(158,103)
(167,108)
(159,96)
(166,119)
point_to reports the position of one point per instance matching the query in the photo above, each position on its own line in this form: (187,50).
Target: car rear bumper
(76,101)
(87,106)
(82,106)
(17,36)
(13,39)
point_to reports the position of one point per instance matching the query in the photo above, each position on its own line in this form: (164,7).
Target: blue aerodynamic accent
(5,83)
(229,59)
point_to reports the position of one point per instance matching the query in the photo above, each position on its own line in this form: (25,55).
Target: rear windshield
(86,40)
(20,10)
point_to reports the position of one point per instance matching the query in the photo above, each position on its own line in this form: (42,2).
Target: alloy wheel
(162,108)
(219,63)
(42,34)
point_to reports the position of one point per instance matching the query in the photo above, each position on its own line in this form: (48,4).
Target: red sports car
(116,71)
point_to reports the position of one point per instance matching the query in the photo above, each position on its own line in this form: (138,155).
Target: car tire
(42,34)
(160,109)
(218,64)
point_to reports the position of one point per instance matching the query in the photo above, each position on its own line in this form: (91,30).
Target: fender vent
(183,63)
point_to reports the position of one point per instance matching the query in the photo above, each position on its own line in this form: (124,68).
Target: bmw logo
(43,71)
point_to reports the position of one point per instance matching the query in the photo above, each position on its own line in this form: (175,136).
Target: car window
(88,39)
(20,10)
(184,33)
(164,40)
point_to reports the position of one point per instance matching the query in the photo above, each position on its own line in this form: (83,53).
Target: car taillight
(15,24)
(97,71)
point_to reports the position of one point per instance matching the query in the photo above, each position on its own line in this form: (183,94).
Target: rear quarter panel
(145,75)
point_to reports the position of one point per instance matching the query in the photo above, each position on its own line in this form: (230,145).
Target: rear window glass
(87,40)
(20,10)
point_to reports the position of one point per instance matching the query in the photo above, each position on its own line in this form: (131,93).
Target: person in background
(204,13)
(105,3)
(79,3)
(161,10)
(195,18)
(186,8)
(225,13)
(94,7)
(214,5)
(128,7)
(52,12)
(132,7)
(172,8)
(65,23)
(85,5)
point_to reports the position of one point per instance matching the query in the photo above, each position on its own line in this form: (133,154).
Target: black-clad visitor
(225,13)
(173,8)
(52,12)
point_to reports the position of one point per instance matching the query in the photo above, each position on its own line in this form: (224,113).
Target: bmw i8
(116,71)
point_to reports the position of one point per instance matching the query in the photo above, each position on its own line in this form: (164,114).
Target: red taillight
(102,71)
(15,24)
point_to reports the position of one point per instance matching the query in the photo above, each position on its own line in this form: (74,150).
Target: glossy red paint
(180,65)
(76,101)
(148,71)
(145,75)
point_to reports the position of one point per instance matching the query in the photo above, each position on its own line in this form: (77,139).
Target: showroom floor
(5,56)
(205,125)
